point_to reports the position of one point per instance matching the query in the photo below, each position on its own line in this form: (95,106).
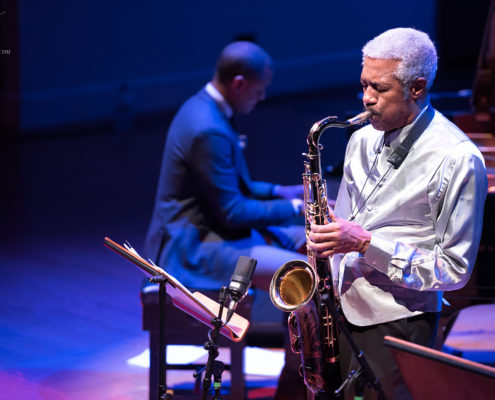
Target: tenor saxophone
(305,288)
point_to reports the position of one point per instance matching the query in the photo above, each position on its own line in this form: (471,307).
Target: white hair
(414,49)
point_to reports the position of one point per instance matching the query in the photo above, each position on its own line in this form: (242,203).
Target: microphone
(240,282)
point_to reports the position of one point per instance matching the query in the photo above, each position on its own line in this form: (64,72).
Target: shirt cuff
(297,205)
(379,252)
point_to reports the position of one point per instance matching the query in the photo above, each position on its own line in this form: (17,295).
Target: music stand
(195,304)
(431,374)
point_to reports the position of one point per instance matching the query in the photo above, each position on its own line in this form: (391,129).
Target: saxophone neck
(319,127)
(360,118)
(315,132)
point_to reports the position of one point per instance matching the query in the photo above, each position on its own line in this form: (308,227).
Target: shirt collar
(219,99)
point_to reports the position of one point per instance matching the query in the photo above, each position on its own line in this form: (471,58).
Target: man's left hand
(338,236)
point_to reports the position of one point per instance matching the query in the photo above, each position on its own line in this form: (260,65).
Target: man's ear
(238,83)
(418,88)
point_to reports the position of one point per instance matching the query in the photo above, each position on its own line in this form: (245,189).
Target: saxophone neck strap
(402,150)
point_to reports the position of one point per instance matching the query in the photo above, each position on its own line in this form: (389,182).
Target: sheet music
(195,304)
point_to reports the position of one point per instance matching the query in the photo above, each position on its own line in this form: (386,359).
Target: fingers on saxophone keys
(320,233)
(325,254)
(322,250)
(321,240)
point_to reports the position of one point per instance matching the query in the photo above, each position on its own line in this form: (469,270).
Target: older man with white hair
(407,221)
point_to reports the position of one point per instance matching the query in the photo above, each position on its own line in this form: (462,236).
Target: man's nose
(369,97)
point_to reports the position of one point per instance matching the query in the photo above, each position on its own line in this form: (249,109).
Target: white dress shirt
(425,220)
(219,99)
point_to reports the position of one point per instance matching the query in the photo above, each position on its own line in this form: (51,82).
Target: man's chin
(377,123)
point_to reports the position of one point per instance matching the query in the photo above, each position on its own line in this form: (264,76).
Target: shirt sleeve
(262,190)
(456,196)
(214,164)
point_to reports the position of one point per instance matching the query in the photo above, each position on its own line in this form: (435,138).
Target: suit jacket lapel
(239,160)
(245,179)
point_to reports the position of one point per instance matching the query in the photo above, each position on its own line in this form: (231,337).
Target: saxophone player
(403,230)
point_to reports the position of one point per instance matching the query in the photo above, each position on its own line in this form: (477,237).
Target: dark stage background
(87,92)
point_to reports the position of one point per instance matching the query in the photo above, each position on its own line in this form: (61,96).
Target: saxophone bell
(293,285)
(293,289)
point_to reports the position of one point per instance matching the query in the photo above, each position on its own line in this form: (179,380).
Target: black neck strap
(402,150)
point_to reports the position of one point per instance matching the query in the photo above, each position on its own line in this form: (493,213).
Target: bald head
(244,71)
(242,58)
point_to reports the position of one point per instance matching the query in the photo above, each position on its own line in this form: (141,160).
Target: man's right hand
(289,192)
(298,205)
(338,236)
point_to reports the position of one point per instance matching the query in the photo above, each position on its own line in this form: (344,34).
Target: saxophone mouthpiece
(360,118)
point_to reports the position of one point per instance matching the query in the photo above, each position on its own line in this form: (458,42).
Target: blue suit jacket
(206,204)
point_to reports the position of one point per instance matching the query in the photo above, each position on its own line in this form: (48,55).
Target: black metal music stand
(127,252)
(162,299)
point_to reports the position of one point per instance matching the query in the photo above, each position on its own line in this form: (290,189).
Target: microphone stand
(214,367)
(364,375)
